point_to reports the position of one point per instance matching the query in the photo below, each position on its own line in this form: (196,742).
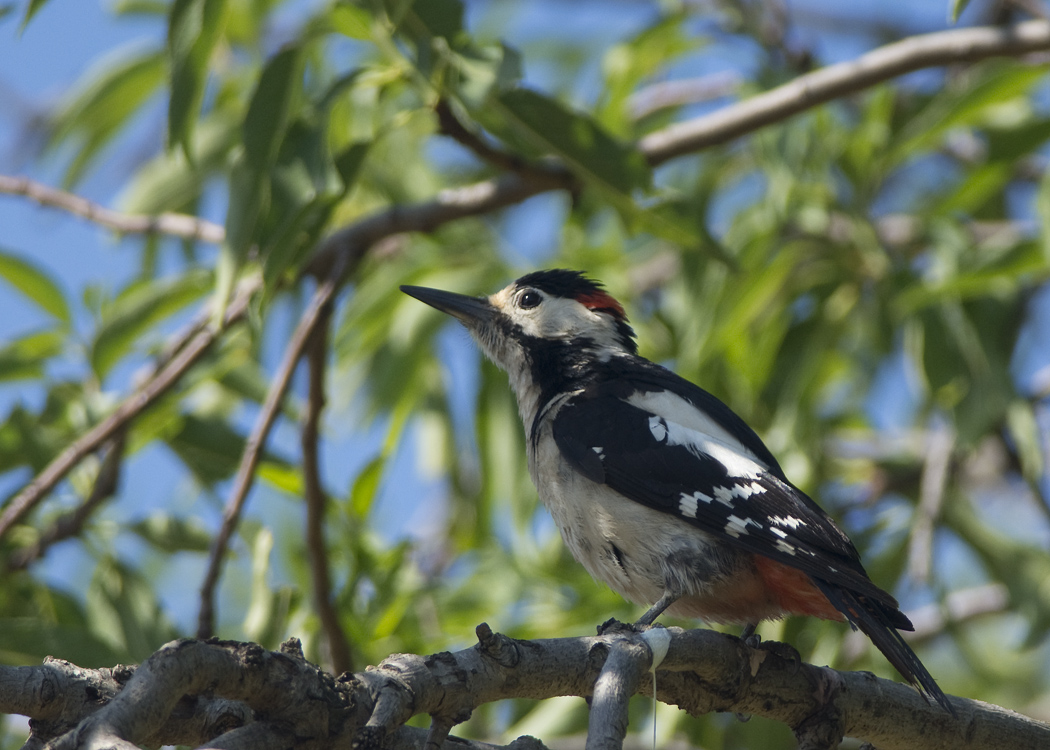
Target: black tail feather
(881,626)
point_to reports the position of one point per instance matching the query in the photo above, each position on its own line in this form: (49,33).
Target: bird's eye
(530,299)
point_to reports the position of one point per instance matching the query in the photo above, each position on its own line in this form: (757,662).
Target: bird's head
(542,325)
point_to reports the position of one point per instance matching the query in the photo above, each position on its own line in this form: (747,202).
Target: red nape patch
(794,591)
(599,300)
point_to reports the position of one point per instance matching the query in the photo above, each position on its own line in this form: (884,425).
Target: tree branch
(173,224)
(70,524)
(317,499)
(931,495)
(166,373)
(257,441)
(451,126)
(834,81)
(703,671)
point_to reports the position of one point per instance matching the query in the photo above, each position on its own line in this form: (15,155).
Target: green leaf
(173,182)
(268,609)
(6,9)
(366,486)
(209,446)
(956,9)
(271,107)
(29,640)
(283,477)
(138,308)
(1026,438)
(305,186)
(350,160)
(577,139)
(194,27)
(1000,82)
(105,100)
(483,72)
(140,7)
(351,20)
(171,534)
(24,358)
(36,284)
(31,10)
(124,612)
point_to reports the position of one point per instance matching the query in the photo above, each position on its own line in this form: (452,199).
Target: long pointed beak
(469,310)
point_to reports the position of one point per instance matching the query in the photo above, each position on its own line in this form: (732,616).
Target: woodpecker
(659,489)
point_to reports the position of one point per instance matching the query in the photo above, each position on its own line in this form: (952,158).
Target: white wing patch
(738,461)
(682,414)
(600,451)
(658,427)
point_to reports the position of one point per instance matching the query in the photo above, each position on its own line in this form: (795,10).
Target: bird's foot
(785,651)
(612,625)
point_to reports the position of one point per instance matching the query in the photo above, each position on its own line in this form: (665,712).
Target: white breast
(620,542)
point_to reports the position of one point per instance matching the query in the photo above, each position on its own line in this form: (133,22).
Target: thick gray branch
(297,705)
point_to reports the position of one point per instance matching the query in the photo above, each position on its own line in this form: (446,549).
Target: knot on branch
(496,646)
(825,728)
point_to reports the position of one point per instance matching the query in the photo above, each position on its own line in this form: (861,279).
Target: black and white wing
(658,449)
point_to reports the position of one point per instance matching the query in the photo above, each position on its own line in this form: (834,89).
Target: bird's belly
(640,552)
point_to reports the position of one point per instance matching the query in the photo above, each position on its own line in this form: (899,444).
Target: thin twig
(317,500)
(70,524)
(173,224)
(931,496)
(450,125)
(675,93)
(255,444)
(142,398)
(834,81)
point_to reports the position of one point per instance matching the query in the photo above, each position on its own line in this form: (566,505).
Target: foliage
(854,281)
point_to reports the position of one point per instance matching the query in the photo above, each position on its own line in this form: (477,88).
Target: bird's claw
(785,651)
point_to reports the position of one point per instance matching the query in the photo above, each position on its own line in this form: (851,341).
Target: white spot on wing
(697,497)
(599,450)
(687,505)
(736,526)
(724,495)
(785,547)
(788,521)
(778,532)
